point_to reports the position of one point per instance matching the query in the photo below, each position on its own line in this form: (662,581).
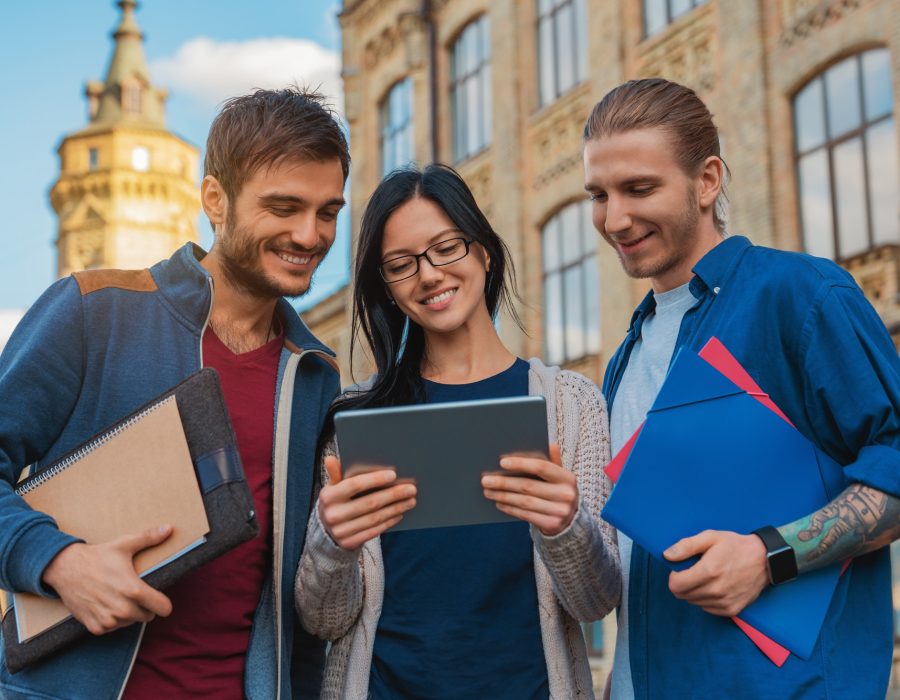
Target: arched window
(470,89)
(562,52)
(571,285)
(658,14)
(845,143)
(396,123)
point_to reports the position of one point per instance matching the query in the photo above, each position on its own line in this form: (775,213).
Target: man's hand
(548,501)
(99,586)
(730,575)
(350,515)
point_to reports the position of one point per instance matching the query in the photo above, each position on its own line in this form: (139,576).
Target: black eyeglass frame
(467,242)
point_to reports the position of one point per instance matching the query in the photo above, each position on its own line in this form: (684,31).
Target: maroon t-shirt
(198,651)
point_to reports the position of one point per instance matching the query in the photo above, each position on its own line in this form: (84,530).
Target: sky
(202,51)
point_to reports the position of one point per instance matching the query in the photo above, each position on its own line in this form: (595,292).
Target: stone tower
(127,193)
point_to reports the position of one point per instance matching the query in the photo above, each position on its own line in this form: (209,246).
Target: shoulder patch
(130,280)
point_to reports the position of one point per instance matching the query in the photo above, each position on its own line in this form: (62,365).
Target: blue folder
(711,456)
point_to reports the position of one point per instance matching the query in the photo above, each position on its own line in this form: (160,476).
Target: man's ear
(214,200)
(710,181)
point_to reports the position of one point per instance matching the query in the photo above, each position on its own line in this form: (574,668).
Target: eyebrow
(627,182)
(276,198)
(431,241)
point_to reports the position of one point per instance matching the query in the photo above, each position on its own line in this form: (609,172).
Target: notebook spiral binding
(40,477)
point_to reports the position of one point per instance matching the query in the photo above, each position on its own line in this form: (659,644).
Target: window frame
(585,259)
(459,84)
(670,16)
(396,132)
(578,47)
(830,143)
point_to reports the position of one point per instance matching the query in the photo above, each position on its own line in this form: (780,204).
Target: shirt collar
(710,272)
(715,267)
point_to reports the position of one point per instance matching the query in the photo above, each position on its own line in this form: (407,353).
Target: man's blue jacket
(96,346)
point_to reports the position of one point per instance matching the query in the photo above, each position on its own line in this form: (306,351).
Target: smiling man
(99,344)
(805,332)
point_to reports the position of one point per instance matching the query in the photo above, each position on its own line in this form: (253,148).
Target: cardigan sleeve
(329,586)
(583,560)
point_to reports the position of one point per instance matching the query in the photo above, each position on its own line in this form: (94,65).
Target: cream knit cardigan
(339,593)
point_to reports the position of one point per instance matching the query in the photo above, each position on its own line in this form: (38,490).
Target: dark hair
(398,345)
(267,127)
(655,102)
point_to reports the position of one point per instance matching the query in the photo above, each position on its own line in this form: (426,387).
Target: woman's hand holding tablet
(352,519)
(544,493)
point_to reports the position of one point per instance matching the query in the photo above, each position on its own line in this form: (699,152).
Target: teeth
(440,297)
(295,259)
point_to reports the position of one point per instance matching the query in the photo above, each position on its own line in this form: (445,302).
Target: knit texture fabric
(339,593)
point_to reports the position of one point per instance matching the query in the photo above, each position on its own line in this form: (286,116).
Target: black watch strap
(780,557)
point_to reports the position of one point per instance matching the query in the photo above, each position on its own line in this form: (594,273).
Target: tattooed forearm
(860,520)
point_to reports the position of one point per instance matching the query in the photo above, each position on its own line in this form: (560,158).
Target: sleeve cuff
(32,553)
(328,554)
(877,466)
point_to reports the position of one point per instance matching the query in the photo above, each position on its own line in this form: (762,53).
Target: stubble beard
(239,255)
(682,235)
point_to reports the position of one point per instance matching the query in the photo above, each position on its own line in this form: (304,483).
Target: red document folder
(717,355)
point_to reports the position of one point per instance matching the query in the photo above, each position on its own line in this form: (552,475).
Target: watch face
(782,565)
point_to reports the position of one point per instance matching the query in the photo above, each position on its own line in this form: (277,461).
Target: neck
(707,238)
(242,322)
(471,353)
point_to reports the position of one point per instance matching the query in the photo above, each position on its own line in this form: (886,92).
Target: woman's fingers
(557,501)
(351,486)
(352,533)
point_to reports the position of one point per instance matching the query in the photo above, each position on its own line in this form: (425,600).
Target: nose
(428,273)
(616,216)
(304,232)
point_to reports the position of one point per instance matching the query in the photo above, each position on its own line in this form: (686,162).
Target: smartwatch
(780,558)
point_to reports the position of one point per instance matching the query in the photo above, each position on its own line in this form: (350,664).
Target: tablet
(444,448)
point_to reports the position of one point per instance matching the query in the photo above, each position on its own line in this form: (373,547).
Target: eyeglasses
(441,253)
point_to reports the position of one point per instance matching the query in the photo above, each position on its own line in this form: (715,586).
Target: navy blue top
(804,331)
(460,613)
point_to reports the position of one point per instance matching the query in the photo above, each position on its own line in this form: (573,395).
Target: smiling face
(272,237)
(439,299)
(658,218)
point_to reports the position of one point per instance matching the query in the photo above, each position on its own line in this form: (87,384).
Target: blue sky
(202,51)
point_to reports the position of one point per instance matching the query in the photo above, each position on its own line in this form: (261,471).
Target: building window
(470,89)
(571,285)
(140,159)
(93,158)
(659,14)
(397,127)
(562,54)
(845,143)
(593,637)
(131,99)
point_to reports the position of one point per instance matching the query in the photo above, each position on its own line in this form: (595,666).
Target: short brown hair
(267,127)
(658,103)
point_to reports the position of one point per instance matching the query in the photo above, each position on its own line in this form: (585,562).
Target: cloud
(9,319)
(213,71)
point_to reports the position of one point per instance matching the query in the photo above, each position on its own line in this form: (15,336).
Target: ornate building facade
(804,92)
(127,193)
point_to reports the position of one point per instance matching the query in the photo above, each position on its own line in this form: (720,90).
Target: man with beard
(99,344)
(803,329)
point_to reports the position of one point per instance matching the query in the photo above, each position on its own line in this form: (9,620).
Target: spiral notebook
(137,476)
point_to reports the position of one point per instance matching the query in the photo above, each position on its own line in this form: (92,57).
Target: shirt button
(715,290)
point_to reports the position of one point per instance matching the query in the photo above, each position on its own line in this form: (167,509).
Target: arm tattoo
(858,521)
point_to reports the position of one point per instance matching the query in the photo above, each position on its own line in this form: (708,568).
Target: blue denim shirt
(803,329)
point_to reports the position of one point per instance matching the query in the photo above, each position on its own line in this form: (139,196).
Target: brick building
(804,93)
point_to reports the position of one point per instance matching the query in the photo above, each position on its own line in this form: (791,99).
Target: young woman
(476,611)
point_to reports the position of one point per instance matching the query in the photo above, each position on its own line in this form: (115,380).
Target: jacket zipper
(137,646)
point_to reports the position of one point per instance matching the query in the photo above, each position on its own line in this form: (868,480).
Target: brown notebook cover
(217,476)
(138,477)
